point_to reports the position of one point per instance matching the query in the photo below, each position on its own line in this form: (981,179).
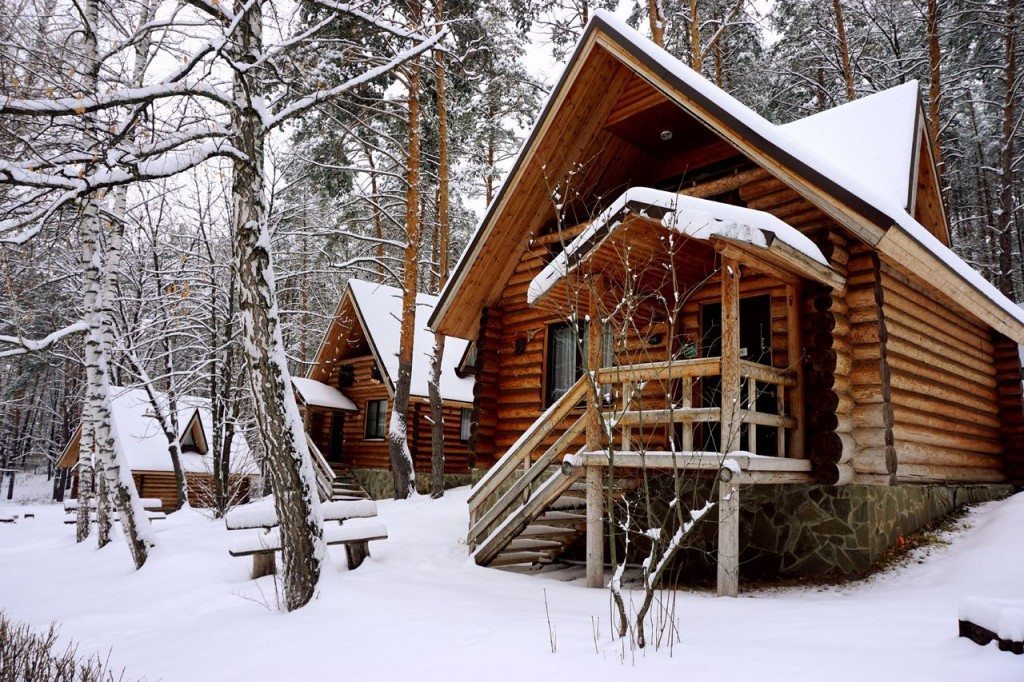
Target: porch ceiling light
(666,135)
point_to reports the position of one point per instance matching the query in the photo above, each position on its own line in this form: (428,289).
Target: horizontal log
(921,473)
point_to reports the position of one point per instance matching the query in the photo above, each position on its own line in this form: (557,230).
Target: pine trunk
(844,51)
(657,23)
(934,80)
(1004,219)
(401,459)
(434,385)
(287,458)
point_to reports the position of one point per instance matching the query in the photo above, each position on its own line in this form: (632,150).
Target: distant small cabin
(783,296)
(347,395)
(146,451)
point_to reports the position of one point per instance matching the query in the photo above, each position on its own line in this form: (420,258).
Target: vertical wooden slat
(752,406)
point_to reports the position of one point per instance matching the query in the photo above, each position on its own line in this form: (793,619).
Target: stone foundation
(801,531)
(378,484)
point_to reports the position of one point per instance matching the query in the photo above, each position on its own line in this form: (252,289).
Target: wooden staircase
(528,510)
(345,486)
(334,483)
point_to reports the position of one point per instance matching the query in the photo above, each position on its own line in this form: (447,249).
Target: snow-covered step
(524,544)
(537,530)
(517,558)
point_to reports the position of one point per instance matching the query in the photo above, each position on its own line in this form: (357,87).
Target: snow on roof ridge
(694,217)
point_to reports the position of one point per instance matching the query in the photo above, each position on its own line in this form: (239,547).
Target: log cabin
(145,450)
(666,281)
(348,392)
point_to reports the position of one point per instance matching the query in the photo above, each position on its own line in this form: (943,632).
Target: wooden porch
(701,417)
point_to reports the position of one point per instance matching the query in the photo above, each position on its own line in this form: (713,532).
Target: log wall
(943,386)
(359,452)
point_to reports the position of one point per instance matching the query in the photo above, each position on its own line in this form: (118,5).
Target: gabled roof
(831,176)
(690,216)
(378,311)
(144,443)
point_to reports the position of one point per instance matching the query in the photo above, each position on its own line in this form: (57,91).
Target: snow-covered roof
(864,171)
(837,163)
(318,394)
(696,218)
(145,446)
(380,310)
(871,137)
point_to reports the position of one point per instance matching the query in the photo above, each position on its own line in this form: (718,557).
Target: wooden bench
(152,506)
(986,620)
(355,535)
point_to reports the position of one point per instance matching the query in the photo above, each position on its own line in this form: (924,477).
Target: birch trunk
(286,453)
(398,443)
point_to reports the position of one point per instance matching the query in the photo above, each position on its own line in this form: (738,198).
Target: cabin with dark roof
(779,311)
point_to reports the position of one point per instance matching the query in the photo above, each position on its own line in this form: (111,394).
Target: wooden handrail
(529,440)
(661,370)
(767,374)
(522,485)
(324,473)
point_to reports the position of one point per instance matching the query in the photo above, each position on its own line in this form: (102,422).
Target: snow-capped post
(728,558)
(443,220)
(402,471)
(285,450)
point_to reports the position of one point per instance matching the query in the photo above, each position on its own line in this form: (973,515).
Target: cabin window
(567,356)
(465,424)
(188,442)
(376,416)
(346,376)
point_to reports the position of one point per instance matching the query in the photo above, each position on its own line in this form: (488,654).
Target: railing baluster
(687,404)
(752,406)
(780,402)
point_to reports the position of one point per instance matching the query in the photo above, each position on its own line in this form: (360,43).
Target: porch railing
(508,484)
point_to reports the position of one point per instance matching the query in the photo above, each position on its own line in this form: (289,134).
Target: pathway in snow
(419,610)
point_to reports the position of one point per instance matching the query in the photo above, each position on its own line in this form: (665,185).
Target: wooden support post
(796,365)
(730,425)
(728,534)
(595,527)
(687,404)
(263,564)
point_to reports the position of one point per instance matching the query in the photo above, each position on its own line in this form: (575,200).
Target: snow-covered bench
(984,620)
(152,506)
(355,535)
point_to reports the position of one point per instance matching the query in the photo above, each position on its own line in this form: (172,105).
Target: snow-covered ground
(419,610)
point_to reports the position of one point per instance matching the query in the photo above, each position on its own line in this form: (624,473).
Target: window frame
(465,424)
(380,421)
